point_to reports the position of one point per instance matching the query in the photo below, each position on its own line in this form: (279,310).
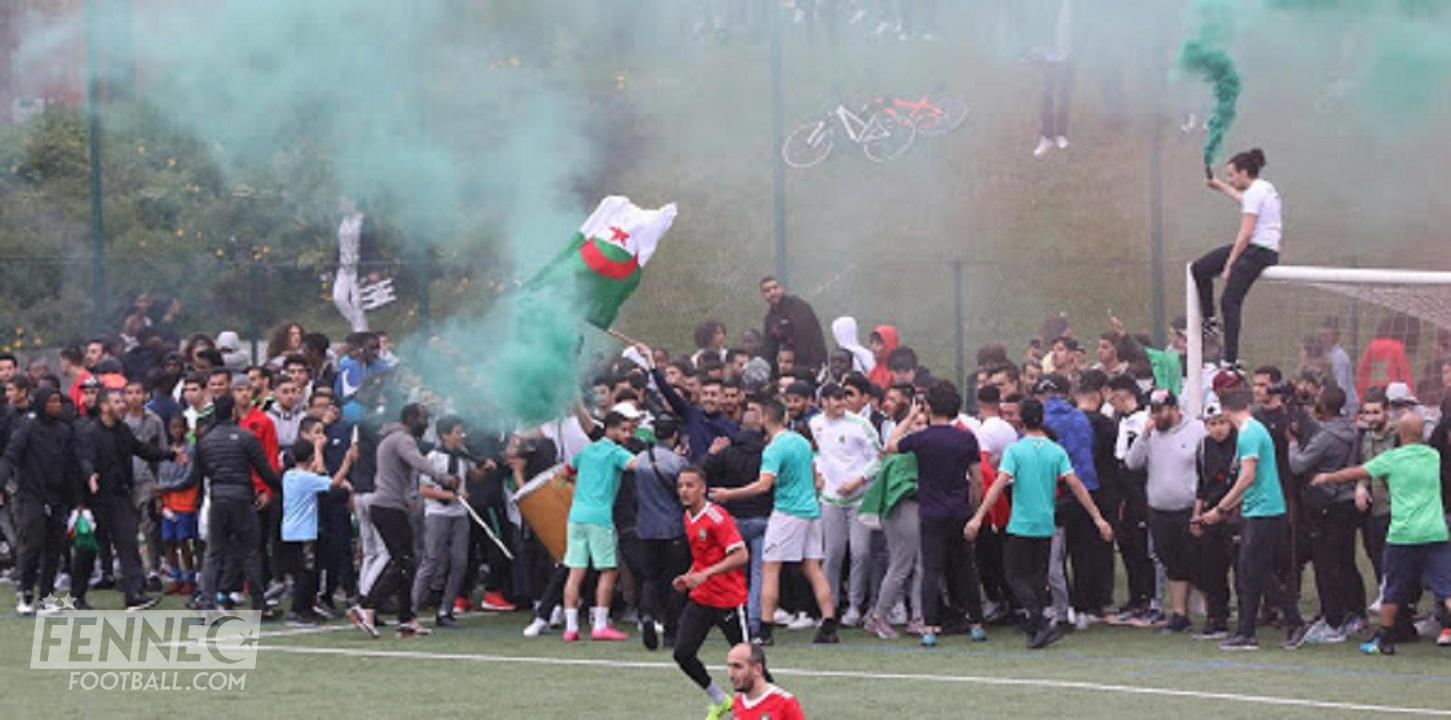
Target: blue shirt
(658,513)
(1075,433)
(1036,465)
(1264,497)
(300,489)
(600,466)
(788,457)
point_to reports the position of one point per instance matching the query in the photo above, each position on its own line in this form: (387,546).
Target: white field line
(854,675)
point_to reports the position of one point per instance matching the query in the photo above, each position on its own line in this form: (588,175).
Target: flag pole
(626,339)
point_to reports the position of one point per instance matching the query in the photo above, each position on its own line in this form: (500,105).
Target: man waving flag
(606,256)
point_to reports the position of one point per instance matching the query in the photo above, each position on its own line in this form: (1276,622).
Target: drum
(545,501)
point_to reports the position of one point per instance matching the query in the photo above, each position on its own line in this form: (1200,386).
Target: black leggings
(695,624)
(1213,553)
(948,558)
(1026,559)
(1247,269)
(397,577)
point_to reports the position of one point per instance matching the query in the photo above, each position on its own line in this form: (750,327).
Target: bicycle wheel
(808,145)
(883,141)
(951,113)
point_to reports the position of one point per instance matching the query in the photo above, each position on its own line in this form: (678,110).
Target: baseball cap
(1212,408)
(1225,379)
(1399,393)
(1051,384)
(1162,397)
(628,411)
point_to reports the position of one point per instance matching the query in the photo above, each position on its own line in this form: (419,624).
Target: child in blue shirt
(300,487)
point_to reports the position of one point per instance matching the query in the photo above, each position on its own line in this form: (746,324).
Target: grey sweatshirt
(1171,457)
(399,462)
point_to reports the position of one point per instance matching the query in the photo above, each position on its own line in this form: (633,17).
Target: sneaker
(1046,635)
(1239,643)
(607,634)
(929,639)
(898,615)
(535,626)
(1213,630)
(718,710)
(782,617)
(1061,141)
(446,621)
(1177,624)
(1353,626)
(1086,620)
(1149,618)
(852,618)
(1044,145)
(1317,631)
(1427,626)
(648,635)
(1295,637)
(803,621)
(323,611)
(412,628)
(571,636)
(1444,639)
(299,620)
(1211,328)
(461,606)
(977,634)
(25,606)
(153,583)
(270,614)
(141,602)
(764,637)
(556,616)
(496,602)
(879,627)
(62,581)
(825,635)
(916,627)
(359,616)
(1379,645)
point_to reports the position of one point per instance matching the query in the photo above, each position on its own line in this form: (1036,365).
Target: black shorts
(1411,568)
(1170,532)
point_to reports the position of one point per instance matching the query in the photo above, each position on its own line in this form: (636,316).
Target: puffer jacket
(42,457)
(228,455)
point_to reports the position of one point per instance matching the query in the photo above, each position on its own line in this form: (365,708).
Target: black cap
(1053,384)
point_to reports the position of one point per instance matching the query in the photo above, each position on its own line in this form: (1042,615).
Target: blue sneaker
(977,634)
(929,639)
(1379,645)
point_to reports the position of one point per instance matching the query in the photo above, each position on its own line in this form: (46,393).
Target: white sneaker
(24,608)
(782,617)
(1044,145)
(803,621)
(852,618)
(898,615)
(1428,626)
(1085,621)
(556,616)
(1062,141)
(63,583)
(535,627)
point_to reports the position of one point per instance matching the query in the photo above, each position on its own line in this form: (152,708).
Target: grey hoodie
(1332,448)
(1171,457)
(399,461)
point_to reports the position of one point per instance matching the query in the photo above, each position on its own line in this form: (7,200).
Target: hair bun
(1259,156)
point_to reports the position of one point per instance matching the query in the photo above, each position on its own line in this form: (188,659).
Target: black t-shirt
(945,454)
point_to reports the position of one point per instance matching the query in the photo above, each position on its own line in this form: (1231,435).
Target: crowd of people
(772,483)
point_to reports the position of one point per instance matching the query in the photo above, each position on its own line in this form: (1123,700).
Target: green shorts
(590,545)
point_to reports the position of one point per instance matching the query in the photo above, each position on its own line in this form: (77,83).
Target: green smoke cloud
(1204,55)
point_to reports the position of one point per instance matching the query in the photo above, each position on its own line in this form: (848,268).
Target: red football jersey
(776,704)
(713,535)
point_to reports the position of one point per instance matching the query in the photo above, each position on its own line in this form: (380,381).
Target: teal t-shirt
(1264,497)
(599,466)
(1413,474)
(1036,465)
(789,458)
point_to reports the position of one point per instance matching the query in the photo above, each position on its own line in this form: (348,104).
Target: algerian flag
(606,255)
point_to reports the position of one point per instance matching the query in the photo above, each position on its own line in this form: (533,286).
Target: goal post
(1422,295)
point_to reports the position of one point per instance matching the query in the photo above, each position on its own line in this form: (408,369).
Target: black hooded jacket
(227,455)
(42,457)
(107,452)
(737,466)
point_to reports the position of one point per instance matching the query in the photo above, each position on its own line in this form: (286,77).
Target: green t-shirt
(600,466)
(789,458)
(1413,473)
(1264,497)
(1036,465)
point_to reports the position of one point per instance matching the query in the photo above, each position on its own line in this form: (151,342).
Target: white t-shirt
(1263,201)
(995,435)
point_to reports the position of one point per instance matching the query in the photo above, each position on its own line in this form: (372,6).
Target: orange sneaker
(607,633)
(496,602)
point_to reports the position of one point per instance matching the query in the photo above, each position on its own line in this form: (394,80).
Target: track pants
(445,559)
(118,516)
(947,558)
(232,538)
(842,531)
(695,623)
(1262,541)
(41,534)
(396,530)
(1026,560)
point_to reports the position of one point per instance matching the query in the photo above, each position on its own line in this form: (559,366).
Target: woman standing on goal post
(1256,247)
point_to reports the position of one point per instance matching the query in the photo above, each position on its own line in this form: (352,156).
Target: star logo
(50,603)
(249,639)
(67,602)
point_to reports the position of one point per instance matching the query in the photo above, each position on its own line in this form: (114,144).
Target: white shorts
(792,539)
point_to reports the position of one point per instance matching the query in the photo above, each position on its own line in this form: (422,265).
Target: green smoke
(1204,56)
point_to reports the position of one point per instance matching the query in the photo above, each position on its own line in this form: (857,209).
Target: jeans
(842,530)
(1247,269)
(753,532)
(1262,542)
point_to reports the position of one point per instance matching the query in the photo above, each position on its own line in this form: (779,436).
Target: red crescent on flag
(595,259)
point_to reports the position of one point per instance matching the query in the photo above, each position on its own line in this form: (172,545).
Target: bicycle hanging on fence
(885,128)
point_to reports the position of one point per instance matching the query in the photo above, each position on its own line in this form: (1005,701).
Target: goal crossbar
(1331,278)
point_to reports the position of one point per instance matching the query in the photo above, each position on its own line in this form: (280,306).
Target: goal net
(1394,326)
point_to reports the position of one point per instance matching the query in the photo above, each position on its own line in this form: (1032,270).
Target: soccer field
(487,669)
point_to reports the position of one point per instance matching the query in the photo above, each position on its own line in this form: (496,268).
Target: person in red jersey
(756,698)
(715,584)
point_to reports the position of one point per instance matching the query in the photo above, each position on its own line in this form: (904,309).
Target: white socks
(717,695)
(600,616)
(571,620)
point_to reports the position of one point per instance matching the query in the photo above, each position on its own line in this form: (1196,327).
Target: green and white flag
(606,256)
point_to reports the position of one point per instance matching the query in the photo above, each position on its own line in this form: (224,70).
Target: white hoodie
(844,330)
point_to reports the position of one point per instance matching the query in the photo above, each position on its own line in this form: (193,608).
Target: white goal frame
(1194,317)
